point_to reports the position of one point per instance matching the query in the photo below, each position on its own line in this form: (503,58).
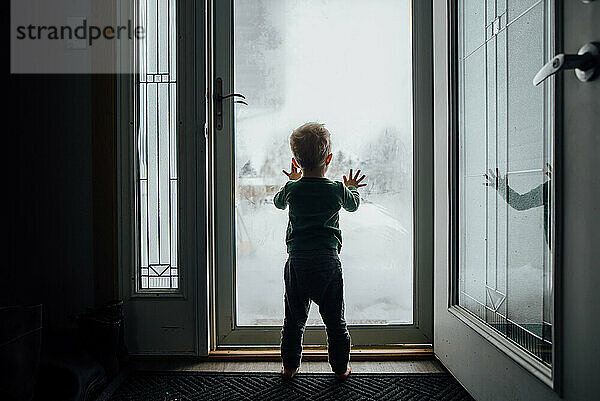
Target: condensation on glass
(505,218)
(157,147)
(345,63)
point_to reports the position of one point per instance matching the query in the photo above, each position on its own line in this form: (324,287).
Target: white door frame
(225,333)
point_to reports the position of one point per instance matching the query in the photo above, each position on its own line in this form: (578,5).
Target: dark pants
(314,275)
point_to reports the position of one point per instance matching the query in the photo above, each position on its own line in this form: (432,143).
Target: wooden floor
(416,366)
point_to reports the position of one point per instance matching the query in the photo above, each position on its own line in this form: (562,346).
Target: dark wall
(49,167)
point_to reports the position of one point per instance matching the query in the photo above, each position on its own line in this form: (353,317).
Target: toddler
(313,270)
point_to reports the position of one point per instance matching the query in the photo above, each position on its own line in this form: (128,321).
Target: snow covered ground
(376,261)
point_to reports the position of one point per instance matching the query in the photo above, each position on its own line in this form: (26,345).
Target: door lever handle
(586,64)
(218,116)
(219,98)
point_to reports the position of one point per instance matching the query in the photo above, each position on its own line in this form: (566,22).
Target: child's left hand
(354,181)
(295,174)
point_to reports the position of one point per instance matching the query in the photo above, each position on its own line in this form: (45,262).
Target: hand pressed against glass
(494,179)
(354,181)
(295,174)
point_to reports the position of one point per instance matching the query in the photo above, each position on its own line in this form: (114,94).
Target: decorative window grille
(157,147)
(505,229)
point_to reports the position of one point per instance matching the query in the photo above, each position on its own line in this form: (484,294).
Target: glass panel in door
(345,63)
(505,171)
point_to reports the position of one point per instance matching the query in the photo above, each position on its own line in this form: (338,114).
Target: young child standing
(313,270)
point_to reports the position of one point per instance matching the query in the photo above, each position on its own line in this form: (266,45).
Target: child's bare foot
(289,373)
(343,376)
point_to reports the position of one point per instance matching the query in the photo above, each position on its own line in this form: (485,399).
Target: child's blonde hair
(311,144)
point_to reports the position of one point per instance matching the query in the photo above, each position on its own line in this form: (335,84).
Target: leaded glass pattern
(157,147)
(505,171)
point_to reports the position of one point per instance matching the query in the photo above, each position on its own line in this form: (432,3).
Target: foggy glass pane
(173,223)
(505,227)
(474,136)
(500,6)
(143,134)
(163,152)
(491,150)
(490,7)
(526,250)
(153,174)
(151,24)
(141,52)
(501,243)
(144,223)
(163,35)
(346,64)
(473,207)
(474,25)
(492,107)
(502,106)
(172,41)
(173,130)
(526,107)
(518,7)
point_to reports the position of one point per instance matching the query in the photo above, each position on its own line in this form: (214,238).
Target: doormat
(188,386)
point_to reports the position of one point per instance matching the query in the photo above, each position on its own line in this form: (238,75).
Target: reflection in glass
(346,63)
(505,159)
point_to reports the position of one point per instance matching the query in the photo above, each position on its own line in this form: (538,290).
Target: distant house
(257,189)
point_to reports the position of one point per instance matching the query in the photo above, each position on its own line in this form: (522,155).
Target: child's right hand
(354,181)
(295,174)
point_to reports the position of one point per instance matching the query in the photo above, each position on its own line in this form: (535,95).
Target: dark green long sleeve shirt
(314,212)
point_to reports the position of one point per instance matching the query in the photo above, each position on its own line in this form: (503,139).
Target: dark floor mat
(187,386)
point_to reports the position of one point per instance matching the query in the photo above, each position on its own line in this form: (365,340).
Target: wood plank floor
(416,366)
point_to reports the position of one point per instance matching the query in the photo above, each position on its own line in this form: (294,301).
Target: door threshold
(320,353)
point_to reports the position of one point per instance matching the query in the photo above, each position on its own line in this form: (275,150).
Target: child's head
(311,146)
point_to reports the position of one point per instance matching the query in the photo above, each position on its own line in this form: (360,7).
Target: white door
(516,212)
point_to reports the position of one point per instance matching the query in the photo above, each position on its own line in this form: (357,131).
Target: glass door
(504,172)
(350,65)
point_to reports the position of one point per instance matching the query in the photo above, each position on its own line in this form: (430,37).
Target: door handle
(219,102)
(586,64)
